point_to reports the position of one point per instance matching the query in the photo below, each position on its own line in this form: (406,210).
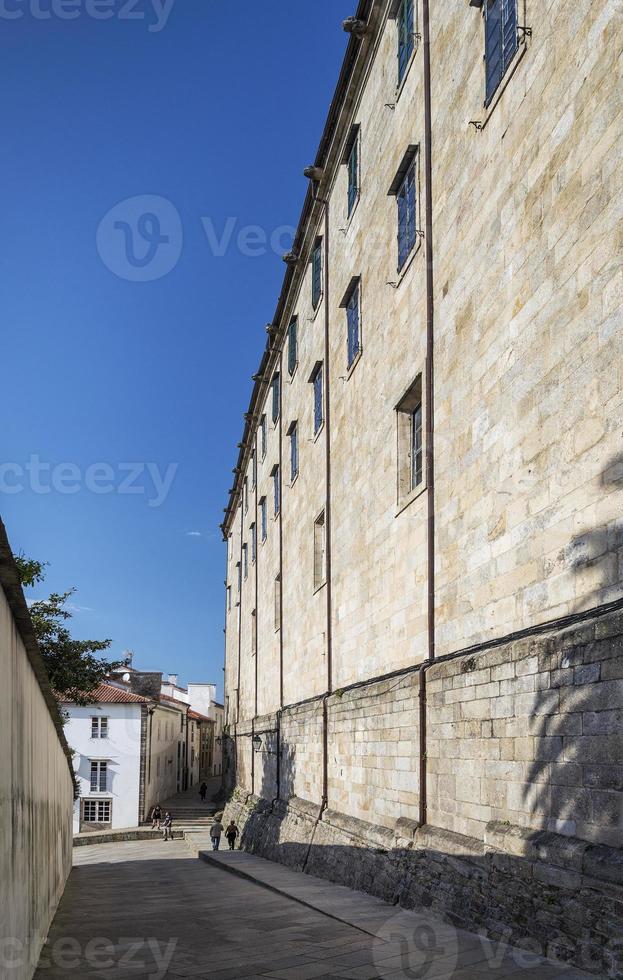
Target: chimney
(173,679)
(146,683)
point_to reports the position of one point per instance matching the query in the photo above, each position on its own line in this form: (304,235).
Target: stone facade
(516,324)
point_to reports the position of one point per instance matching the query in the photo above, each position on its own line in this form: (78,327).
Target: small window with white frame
(99,776)
(99,726)
(410,418)
(96,811)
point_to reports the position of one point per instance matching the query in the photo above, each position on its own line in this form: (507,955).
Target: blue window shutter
(501,41)
(407,202)
(316,274)
(509,31)
(353,176)
(318,400)
(352,313)
(292,347)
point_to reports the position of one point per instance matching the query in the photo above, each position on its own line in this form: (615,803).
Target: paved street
(152,909)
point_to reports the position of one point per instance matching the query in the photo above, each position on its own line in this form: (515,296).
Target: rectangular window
(278,602)
(293,352)
(99,727)
(406,36)
(99,777)
(254,631)
(316,380)
(230,550)
(410,441)
(246,494)
(416,446)
(316,273)
(263,435)
(352,304)
(253,470)
(353,173)
(319,551)
(229,596)
(406,198)
(263,518)
(239,575)
(245,560)
(253,542)
(276,489)
(96,811)
(276,396)
(501,41)
(293,433)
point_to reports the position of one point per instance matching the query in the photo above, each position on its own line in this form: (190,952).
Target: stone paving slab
(151,909)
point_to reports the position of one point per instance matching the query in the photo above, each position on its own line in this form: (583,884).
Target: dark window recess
(501,41)
(294,451)
(407,214)
(353,175)
(317,273)
(276,386)
(416,446)
(406,36)
(316,380)
(292,346)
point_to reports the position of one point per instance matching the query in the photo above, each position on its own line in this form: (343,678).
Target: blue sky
(209,122)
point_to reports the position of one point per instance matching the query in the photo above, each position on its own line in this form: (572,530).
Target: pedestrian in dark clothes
(231,833)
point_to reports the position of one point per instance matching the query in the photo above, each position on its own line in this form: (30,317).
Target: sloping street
(152,909)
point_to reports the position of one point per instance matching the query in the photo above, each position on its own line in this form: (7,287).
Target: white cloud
(194,534)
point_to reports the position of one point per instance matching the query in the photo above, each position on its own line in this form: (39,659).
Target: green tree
(74,669)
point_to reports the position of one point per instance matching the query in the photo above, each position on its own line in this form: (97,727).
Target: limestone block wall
(301,755)
(373,750)
(36,786)
(530,733)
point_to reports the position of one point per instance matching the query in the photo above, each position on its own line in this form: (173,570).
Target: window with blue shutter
(245,560)
(317,384)
(263,518)
(501,41)
(276,489)
(406,199)
(276,388)
(293,433)
(416,446)
(352,314)
(406,36)
(353,175)
(317,273)
(292,346)
(263,436)
(253,470)
(253,542)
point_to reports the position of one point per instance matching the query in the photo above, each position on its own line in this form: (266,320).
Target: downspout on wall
(430,405)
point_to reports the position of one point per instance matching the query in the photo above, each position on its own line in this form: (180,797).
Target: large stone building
(425,544)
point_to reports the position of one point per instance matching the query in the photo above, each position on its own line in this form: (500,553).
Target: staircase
(189,813)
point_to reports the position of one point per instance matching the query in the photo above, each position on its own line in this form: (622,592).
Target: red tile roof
(166,697)
(197,717)
(107,694)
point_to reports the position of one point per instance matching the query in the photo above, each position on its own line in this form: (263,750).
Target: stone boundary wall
(37,784)
(524,781)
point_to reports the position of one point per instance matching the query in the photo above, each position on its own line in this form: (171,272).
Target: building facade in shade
(428,491)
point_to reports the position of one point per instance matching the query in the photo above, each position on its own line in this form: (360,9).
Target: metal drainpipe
(328,556)
(280,529)
(430,407)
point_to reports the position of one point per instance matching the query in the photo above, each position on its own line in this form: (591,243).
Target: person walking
(231,833)
(167,827)
(156,817)
(203,789)
(215,833)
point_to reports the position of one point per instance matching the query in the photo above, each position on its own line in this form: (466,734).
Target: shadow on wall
(576,779)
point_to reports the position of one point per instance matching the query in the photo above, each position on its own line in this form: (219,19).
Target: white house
(129,753)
